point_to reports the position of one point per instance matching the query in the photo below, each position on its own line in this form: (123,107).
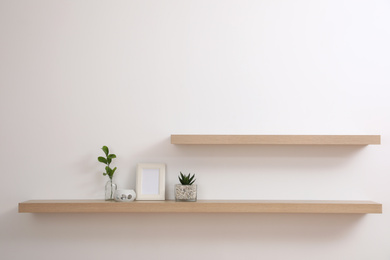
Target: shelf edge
(276,139)
(222,206)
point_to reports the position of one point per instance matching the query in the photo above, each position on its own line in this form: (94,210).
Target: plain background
(77,75)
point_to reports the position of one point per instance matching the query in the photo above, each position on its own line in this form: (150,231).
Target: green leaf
(104,173)
(109,160)
(102,159)
(108,170)
(186,179)
(111,172)
(111,156)
(105,150)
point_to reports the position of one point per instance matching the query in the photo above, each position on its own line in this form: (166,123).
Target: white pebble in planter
(185,192)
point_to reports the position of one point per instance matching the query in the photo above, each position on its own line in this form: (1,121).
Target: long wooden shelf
(278,139)
(201,206)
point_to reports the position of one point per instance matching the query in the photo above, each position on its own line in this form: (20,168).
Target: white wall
(76,75)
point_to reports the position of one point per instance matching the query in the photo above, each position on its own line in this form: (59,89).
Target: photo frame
(150,184)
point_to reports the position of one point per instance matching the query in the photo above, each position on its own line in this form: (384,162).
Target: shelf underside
(201,206)
(278,139)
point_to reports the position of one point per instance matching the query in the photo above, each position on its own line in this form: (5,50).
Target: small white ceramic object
(124,195)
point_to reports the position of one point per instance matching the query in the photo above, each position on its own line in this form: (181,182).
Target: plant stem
(111,197)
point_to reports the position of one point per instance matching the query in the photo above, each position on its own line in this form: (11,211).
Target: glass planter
(110,190)
(185,192)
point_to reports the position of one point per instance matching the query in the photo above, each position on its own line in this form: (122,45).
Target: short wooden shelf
(201,206)
(278,139)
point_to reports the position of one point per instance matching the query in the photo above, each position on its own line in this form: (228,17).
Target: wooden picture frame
(150,181)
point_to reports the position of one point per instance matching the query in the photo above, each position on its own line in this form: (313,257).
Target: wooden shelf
(201,206)
(278,139)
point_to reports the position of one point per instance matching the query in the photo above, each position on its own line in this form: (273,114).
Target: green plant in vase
(187,190)
(110,186)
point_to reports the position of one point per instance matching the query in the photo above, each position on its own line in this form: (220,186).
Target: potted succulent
(186,191)
(110,186)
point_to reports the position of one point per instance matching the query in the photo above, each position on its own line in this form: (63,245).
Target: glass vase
(110,190)
(185,192)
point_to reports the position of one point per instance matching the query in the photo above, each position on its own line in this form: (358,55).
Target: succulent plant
(107,160)
(186,179)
